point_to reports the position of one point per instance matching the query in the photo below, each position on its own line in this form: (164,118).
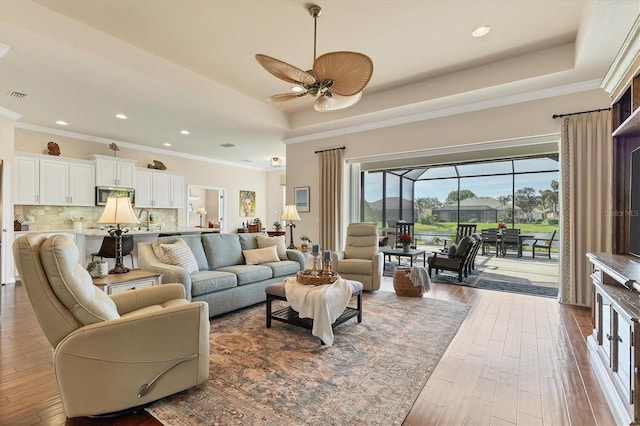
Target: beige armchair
(111,353)
(360,260)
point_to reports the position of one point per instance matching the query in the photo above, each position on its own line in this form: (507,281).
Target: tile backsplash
(53,218)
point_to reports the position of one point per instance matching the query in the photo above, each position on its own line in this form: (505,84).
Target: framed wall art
(301,195)
(247,203)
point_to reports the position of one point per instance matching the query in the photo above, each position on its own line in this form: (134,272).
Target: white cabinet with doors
(614,345)
(54,181)
(159,189)
(115,172)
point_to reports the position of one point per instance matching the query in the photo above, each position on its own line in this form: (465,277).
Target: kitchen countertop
(103,232)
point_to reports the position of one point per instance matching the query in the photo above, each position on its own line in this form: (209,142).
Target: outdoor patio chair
(471,262)
(544,244)
(489,239)
(456,261)
(463,230)
(511,240)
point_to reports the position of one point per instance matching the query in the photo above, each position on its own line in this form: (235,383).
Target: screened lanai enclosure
(515,193)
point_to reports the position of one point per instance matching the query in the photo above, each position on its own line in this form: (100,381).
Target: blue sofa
(223,279)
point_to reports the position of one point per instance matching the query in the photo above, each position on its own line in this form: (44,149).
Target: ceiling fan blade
(284,71)
(335,102)
(281,97)
(350,71)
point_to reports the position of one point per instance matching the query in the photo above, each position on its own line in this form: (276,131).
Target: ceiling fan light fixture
(346,73)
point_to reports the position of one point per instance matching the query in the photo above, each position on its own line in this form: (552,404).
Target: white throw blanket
(323,303)
(419,276)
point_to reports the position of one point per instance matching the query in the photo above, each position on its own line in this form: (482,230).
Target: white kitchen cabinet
(177,191)
(27,180)
(115,172)
(158,189)
(54,181)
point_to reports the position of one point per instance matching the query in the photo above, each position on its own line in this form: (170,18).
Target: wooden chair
(457,263)
(511,240)
(544,244)
(463,230)
(489,239)
(108,248)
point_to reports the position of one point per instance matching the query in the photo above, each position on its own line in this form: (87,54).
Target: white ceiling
(189,64)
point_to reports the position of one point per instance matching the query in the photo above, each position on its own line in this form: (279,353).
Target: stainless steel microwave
(102,192)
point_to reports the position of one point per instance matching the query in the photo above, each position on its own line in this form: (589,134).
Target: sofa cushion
(222,250)
(248,274)
(72,284)
(204,282)
(463,245)
(179,253)
(355,266)
(248,241)
(278,242)
(261,255)
(193,241)
(283,268)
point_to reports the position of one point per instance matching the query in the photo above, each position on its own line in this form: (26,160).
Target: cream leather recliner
(111,353)
(360,260)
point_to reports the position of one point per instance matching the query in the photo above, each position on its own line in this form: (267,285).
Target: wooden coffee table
(411,254)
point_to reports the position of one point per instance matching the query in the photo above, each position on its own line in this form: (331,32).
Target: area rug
(371,375)
(511,287)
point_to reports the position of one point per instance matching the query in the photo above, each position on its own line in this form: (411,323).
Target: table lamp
(289,214)
(201,211)
(118,211)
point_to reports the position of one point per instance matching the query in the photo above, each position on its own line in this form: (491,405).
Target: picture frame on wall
(301,195)
(247,203)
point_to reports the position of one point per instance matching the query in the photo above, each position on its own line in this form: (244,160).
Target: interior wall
(521,120)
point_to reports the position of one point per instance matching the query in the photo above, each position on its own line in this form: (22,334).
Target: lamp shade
(201,210)
(119,211)
(290,213)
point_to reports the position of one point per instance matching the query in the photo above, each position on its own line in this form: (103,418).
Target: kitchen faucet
(140,216)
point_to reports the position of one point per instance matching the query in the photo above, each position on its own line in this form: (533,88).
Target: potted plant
(305,242)
(98,268)
(277,225)
(405,240)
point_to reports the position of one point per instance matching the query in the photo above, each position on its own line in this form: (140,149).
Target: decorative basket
(308,277)
(403,285)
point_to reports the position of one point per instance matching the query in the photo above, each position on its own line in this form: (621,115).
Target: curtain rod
(554,116)
(330,149)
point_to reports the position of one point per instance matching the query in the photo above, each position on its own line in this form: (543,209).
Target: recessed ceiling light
(184,132)
(166,144)
(481,30)
(121,116)
(61,122)
(297,89)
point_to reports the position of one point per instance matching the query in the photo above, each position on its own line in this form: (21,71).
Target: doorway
(212,200)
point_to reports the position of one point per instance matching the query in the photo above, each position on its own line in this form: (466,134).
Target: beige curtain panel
(331,170)
(586,173)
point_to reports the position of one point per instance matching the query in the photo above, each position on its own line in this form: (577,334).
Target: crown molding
(10,114)
(625,63)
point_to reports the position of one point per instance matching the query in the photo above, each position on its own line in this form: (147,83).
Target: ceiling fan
(336,78)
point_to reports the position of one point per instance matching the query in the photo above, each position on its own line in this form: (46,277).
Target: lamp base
(119,270)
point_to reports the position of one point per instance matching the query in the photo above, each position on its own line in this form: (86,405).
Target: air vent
(15,94)
(227,145)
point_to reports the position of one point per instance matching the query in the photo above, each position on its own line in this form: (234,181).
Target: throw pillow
(452,251)
(261,255)
(279,242)
(179,254)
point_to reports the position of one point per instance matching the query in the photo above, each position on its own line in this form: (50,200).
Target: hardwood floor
(517,360)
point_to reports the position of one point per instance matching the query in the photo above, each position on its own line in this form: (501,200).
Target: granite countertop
(103,232)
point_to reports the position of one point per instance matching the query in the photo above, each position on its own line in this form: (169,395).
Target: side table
(135,278)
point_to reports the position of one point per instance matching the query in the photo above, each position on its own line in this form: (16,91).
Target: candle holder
(326,268)
(314,270)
